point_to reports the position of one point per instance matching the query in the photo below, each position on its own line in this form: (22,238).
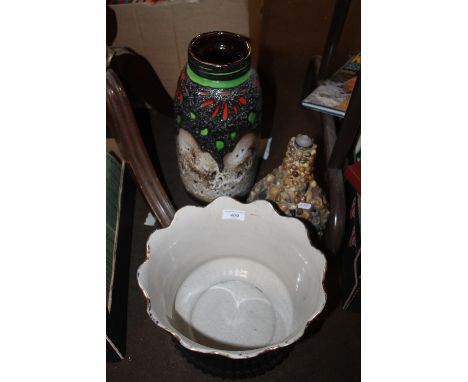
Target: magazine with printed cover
(332,95)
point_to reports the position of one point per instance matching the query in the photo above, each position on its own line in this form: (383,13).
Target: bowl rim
(232,354)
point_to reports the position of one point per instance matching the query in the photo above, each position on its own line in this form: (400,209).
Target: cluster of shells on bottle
(293,183)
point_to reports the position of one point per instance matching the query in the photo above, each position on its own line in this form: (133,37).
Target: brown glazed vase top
(218,114)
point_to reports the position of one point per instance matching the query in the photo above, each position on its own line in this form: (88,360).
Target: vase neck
(219,56)
(216,84)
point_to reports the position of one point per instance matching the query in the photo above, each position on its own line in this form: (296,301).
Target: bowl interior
(231,285)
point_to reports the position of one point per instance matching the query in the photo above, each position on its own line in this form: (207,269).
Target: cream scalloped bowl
(233,279)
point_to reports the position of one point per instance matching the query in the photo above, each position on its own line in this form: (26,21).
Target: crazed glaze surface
(203,178)
(213,126)
(236,283)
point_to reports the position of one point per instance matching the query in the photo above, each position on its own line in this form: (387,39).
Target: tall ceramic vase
(217,113)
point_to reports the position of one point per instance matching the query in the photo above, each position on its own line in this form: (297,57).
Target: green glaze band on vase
(218,115)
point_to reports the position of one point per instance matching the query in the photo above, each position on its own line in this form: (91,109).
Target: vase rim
(219,55)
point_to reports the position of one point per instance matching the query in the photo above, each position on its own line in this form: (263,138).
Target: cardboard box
(161,32)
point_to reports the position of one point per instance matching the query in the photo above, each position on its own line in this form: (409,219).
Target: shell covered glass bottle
(218,113)
(292,185)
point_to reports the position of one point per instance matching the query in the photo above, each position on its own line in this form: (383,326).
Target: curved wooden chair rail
(336,149)
(124,128)
(336,191)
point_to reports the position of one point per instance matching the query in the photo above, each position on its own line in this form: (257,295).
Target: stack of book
(332,95)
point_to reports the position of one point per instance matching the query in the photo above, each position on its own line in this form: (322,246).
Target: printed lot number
(233,215)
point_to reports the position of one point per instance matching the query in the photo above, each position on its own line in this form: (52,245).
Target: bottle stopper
(303,141)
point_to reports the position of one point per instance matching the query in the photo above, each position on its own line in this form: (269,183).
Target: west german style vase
(218,115)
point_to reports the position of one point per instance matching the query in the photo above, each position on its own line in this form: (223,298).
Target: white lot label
(233,215)
(305,206)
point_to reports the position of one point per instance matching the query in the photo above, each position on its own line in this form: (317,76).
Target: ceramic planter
(217,113)
(233,279)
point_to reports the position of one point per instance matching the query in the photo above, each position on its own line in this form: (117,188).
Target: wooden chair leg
(336,191)
(349,128)
(334,34)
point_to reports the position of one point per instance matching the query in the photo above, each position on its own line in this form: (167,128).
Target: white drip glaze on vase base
(200,173)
